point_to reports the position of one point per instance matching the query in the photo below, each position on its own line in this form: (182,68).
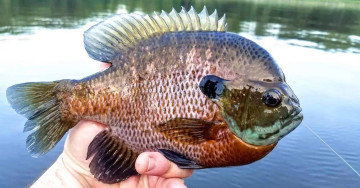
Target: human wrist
(77,166)
(67,171)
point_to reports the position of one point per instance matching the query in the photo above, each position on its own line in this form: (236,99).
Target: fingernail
(151,164)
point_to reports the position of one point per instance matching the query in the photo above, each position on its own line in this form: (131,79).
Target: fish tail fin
(38,102)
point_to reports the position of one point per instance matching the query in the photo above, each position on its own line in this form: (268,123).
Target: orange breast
(231,151)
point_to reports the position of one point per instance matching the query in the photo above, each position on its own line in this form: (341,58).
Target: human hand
(163,174)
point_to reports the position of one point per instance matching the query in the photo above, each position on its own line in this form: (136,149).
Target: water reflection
(37,44)
(324,25)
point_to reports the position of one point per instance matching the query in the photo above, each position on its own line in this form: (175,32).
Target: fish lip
(295,112)
(291,116)
(296,115)
(293,120)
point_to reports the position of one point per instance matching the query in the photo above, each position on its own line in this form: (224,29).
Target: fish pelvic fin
(113,160)
(107,40)
(180,160)
(38,102)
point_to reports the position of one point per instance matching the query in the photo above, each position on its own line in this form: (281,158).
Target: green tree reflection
(331,25)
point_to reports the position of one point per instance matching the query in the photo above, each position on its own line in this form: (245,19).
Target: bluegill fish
(179,84)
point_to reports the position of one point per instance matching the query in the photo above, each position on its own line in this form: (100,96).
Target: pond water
(316,43)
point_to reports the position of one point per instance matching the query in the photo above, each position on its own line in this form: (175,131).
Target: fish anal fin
(193,131)
(178,159)
(113,160)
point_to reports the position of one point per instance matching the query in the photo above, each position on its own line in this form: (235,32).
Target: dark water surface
(317,44)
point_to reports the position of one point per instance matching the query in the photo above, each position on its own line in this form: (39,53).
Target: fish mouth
(261,135)
(272,134)
(288,124)
(296,115)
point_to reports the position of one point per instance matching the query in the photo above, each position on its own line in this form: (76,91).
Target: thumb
(155,164)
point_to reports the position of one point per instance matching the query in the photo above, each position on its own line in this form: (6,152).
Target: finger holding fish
(155,168)
(155,164)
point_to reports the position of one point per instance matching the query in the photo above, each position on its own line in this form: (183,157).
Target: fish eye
(212,86)
(271,98)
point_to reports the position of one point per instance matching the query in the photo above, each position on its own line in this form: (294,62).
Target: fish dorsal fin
(109,38)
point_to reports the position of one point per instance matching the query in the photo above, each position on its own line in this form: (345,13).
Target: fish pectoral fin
(194,131)
(113,160)
(178,159)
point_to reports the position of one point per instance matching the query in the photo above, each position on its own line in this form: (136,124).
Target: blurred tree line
(330,22)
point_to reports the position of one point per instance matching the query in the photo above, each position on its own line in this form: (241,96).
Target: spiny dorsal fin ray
(107,39)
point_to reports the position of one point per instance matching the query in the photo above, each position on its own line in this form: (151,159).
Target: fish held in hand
(179,84)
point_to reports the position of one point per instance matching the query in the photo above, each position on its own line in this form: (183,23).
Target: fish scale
(142,104)
(140,98)
(178,84)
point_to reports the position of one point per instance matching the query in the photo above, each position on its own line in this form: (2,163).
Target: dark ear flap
(113,160)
